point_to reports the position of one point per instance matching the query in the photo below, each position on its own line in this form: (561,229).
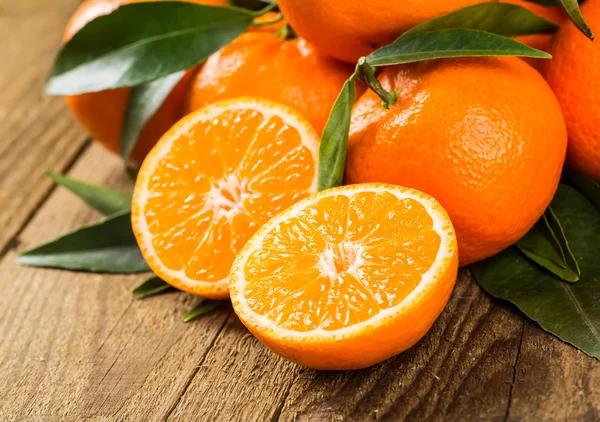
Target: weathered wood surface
(36,133)
(78,346)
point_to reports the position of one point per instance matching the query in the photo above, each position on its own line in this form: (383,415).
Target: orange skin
(349,29)
(542,41)
(102,113)
(573,75)
(263,65)
(484,136)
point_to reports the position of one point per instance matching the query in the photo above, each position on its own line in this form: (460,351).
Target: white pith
(351,254)
(266,325)
(227,207)
(223,206)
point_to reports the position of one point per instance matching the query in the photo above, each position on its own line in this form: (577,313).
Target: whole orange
(540,41)
(261,64)
(484,136)
(349,29)
(102,113)
(573,75)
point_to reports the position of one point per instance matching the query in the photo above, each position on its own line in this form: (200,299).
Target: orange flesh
(218,184)
(341,261)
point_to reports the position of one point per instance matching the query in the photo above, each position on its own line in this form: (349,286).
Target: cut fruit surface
(212,181)
(347,278)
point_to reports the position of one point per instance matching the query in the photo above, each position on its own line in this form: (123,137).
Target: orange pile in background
(258,63)
(349,29)
(102,113)
(484,136)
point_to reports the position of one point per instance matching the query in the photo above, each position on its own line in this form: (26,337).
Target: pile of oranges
(459,168)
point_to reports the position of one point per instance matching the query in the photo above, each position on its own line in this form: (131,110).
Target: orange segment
(212,181)
(348,277)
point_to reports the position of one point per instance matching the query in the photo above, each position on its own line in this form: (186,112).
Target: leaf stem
(366,73)
(278,19)
(266,9)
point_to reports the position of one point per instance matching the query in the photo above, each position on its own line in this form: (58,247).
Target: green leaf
(204,307)
(584,184)
(572,9)
(131,171)
(142,42)
(144,102)
(108,246)
(334,141)
(498,18)
(448,43)
(546,245)
(104,200)
(153,286)
(571,311)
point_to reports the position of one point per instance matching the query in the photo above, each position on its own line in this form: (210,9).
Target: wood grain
(554,381)
(36,133)
(78,345)
(239,380)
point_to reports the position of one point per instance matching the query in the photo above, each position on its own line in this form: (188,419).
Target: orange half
(349,277)
(212,181)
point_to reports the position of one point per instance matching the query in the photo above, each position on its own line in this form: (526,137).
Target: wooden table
(78,346)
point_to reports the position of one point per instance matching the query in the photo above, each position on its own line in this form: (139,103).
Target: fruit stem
(279,18)
(287,32)
(366,73)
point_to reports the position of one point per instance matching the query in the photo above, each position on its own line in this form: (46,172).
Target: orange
(573,75)
(347,278)
(349,29)
(212,181)
(102,113)
(484,136)
(262,64)
(541,41)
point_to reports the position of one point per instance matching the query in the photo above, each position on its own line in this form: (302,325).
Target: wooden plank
(239,381)
(462,369)
(36,133)
(554,381)
(77,345)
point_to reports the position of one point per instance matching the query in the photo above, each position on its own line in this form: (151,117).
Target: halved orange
(212,181)
(347,278)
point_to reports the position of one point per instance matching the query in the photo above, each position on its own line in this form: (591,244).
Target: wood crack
(277,413)
(115,326)
(279,409)
(514,378)
(195,370)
